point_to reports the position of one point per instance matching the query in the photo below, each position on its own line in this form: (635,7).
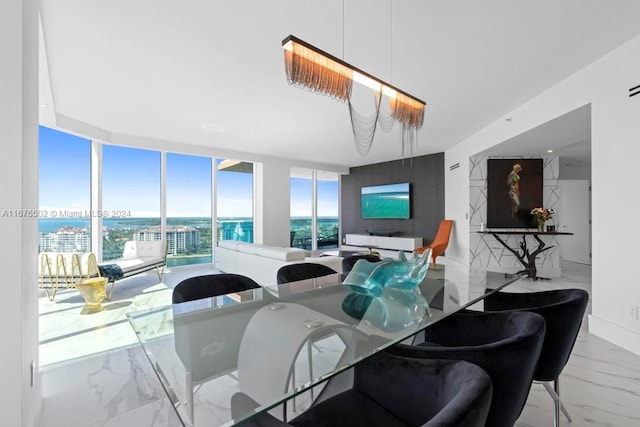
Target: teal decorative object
(370,278)
(397,309)
(356,305)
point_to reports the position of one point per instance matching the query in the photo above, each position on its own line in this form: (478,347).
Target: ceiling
(567,136)
(211,73)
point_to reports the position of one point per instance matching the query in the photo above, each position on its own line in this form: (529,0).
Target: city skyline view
(131,198)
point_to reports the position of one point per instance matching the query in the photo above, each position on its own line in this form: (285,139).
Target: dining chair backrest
(349,261)
(562,309)
(302,271)
(505,345)
(389,390)
(211,285)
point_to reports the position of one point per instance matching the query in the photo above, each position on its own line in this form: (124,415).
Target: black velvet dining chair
(563,310)
(389,390)
(211,285)
(506,345)
(349,261)
(302,271)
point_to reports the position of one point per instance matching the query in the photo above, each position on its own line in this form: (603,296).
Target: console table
(408,244)
(527,258)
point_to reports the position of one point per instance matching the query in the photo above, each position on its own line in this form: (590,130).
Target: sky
(131,182)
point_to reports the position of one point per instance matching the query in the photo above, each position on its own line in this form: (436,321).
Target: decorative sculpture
(368,278)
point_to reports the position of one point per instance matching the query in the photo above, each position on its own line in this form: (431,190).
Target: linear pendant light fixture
(309,67)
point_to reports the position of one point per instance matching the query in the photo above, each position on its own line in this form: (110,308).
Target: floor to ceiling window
(327,209)
(64,221)
(130,197)
(234,193)
(301,210)
(314,209)
(188,209)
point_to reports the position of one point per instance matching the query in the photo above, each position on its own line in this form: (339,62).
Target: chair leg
(160,271)
(113,284)
(557,403)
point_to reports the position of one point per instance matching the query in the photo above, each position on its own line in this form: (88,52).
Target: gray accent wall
(426,175)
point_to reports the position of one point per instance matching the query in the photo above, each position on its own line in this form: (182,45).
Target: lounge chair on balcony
(70,268)
(65,268)
(138,257)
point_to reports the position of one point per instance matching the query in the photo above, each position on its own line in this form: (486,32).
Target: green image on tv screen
(390,201)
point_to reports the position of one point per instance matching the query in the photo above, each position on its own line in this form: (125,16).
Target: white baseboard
(616,334)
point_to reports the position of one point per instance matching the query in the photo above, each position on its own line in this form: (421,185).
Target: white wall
(614,120)
(19,402)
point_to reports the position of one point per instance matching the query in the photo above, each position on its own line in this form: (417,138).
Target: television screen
(390,201)
(514,187)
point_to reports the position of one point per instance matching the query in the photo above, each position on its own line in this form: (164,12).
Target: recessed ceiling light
(212,127)
(44,105)
(549,151)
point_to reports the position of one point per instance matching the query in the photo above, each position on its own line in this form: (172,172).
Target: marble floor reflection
(94,372)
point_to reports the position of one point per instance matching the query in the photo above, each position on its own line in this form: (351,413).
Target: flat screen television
(391,201)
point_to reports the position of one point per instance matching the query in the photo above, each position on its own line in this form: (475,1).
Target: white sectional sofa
(262,262)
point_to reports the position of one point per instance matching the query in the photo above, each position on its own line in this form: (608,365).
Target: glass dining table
(287,347)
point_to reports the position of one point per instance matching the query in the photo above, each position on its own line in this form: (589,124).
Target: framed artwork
(514,187)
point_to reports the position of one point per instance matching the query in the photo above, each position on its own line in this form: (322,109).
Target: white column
(20,394)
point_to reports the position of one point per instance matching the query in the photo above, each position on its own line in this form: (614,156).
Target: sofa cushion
(283,254)
(145,249)
(128,265)
(229,244)
(248,248)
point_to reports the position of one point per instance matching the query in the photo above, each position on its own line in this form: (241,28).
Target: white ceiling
(567,136)
(166,69)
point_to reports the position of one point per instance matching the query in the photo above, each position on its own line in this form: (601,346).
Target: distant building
(180,239)
(240,230)
(66,239)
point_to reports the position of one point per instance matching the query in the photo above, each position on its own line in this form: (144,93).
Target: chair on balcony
(562,310)
(211,285)
(440,242)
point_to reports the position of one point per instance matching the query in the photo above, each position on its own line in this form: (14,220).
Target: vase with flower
(542,215)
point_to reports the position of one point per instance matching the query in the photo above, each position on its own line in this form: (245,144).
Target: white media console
(407,244)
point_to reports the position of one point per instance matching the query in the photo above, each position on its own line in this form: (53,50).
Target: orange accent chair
(441,241)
